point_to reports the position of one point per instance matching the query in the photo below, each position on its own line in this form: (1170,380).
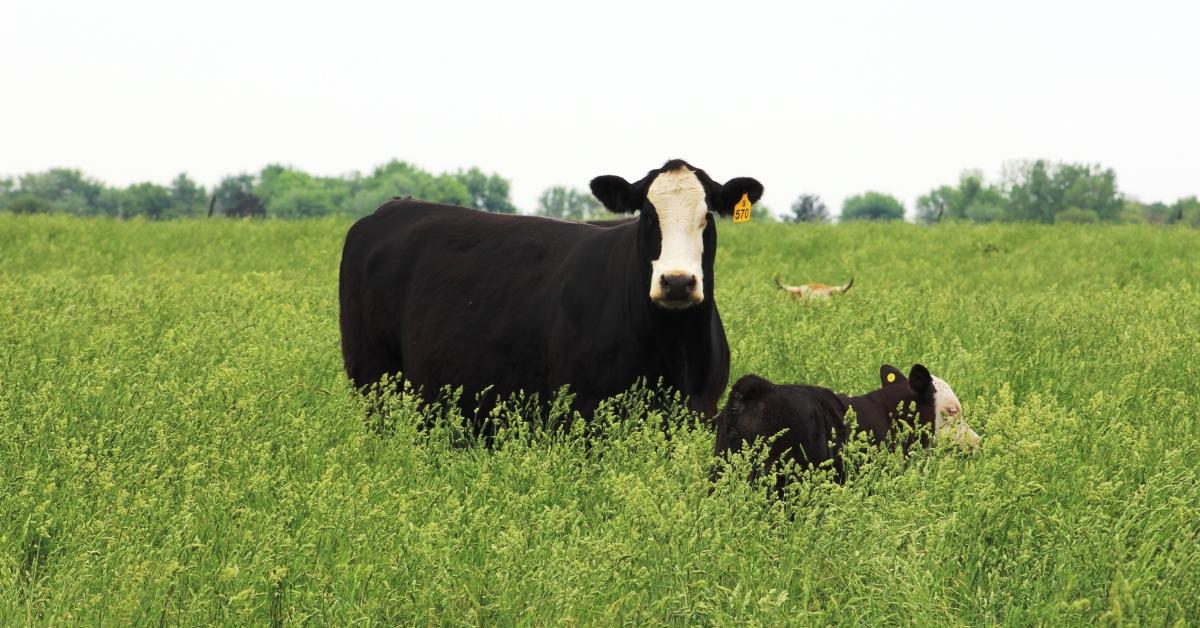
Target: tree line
(1037,191)
(1027,191)
(277,191)
(1048,192)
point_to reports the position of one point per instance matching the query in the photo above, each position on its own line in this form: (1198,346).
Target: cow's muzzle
(677,291)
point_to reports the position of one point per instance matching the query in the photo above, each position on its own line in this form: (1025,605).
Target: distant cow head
(677,236)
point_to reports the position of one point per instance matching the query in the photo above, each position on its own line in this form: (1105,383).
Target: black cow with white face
(809,421)
(448,296)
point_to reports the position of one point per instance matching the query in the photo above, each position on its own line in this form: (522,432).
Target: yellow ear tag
(741,211)
(891,377)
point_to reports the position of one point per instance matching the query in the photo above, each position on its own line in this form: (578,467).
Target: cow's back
(452,296)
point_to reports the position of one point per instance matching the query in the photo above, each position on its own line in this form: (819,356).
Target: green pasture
(178,444)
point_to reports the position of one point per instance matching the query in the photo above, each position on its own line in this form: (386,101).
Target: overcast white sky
(833,98)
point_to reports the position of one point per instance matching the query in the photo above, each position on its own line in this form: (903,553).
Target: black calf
(810,421)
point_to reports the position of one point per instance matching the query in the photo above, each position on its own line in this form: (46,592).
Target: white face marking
(678,198)
(948,420)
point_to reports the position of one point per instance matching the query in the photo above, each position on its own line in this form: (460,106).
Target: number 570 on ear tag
(741,211)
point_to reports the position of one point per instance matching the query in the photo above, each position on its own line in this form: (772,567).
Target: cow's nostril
(678,287)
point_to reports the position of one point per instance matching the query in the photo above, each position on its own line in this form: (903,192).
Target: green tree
(488,192)
(303,200)
(955,202)
(560,201)
(444,188)
(872,206)
(187,197)
(1092,188)
(940,203)
(762,213)
(24,203)
(1039,190)
(147,199)
(808,208)
(290,193)
(1186,211)
(65,189)
(231,187)
(1158,213)
(399,179)
(1135,212)
(1030,192)
(235,197)
(982,211)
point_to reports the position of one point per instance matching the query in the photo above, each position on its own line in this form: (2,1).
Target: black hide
(810,420)
(451,296)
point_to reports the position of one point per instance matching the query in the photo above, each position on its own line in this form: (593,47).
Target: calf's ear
(889,375)
(920,379)
(616,194)
(732,192)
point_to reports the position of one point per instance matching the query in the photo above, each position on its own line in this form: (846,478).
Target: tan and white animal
(816,290)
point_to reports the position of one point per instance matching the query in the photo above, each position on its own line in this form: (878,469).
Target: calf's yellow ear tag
(891,377)
(741,211)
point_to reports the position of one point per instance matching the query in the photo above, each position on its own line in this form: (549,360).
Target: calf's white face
(677,276)
(948,419)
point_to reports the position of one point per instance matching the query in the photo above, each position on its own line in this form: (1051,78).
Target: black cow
(810,420)
(451,296)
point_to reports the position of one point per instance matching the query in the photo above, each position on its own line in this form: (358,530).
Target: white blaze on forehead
(948,419)
(679,200)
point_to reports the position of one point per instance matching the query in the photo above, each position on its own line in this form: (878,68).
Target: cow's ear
(732,192)
(616,194)
(919,379)
(889,375)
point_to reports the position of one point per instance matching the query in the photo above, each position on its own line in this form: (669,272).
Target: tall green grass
(178,444)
